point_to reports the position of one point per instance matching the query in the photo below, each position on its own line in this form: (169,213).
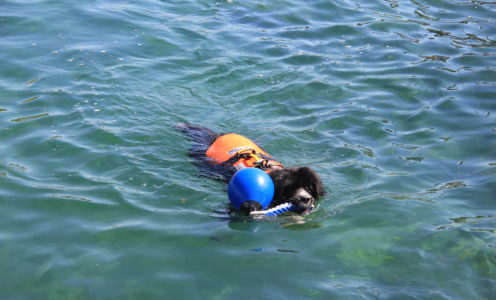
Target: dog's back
(201,139)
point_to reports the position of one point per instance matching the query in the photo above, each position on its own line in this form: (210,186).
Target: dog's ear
(311,181)
(284,183)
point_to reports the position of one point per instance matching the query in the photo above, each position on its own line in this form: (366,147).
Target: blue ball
(250,184)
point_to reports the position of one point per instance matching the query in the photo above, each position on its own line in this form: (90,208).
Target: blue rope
(280,209)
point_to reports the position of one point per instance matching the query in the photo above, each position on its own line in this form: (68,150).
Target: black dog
(221,155)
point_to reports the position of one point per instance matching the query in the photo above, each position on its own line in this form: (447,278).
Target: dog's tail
(197,134)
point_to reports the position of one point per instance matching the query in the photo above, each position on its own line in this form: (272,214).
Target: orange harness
(239,152)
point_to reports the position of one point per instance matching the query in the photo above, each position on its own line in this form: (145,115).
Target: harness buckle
(250,158)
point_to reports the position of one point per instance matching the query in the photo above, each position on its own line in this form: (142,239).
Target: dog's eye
(304,199)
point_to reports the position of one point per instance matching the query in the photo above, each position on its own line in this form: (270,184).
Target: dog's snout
(303,202)
(303,199)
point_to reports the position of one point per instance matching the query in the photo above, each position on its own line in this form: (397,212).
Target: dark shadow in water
(478,221)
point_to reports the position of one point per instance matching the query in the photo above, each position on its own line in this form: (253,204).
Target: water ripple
(389,101)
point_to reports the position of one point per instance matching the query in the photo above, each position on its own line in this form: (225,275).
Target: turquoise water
(392,102)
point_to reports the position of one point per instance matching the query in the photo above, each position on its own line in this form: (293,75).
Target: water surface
(392,102)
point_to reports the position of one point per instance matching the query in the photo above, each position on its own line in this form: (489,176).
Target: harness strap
(250,158)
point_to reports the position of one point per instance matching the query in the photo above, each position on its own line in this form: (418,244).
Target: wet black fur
(287,181)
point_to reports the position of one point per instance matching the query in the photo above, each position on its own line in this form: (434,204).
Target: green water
(392,102)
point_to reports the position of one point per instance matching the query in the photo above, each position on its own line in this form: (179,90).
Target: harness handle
(250,158)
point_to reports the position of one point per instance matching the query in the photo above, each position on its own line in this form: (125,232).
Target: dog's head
(300,186)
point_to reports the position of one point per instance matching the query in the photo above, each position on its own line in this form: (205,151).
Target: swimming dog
(220,155)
